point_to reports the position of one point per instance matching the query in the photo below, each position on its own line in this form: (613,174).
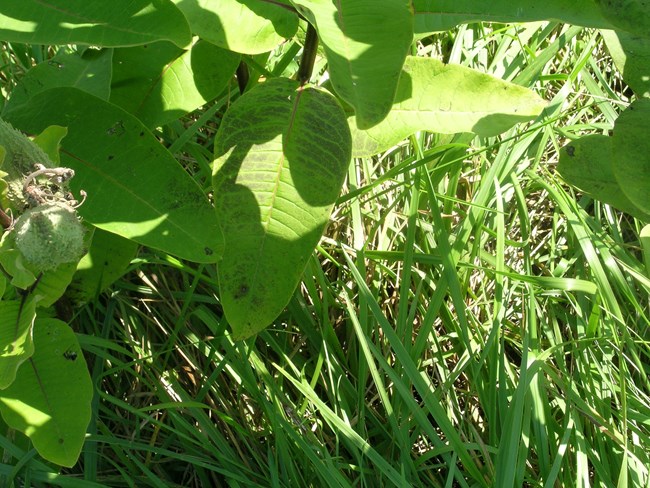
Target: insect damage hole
(242,291)
(70,355)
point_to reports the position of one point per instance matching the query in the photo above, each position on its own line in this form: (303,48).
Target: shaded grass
(468,320)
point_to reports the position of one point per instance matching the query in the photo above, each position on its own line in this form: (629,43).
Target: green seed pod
(49,235)
(21,156)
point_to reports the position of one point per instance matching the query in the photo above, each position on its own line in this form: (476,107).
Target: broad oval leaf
(282,152)
(109,24)
(135,187)
(632,16)
(366,43)
(108,257)
(90,71)
(442,15)
(16,345)
(160,82)
(242,26)
(447,99)
(50,399)
(631,54)
(587,163)
(631,149)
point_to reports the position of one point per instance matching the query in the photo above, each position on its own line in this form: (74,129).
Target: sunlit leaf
(282,152)
(107,260)
(135,187)
(50,399)
(447,99)
(90,72)
(366,43)
(631,54)
(114,23)
(16,345)
(243,26)
(441,15)
(160,82)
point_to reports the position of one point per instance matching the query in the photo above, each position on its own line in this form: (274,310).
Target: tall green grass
(468,320)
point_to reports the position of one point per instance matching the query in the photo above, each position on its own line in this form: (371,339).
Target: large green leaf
(442,15)
(16,345)
(50,399)
(631,54)
(107,259)
(90,71)
(114,23)
(366,43)
(632,16)
(631,149)
(243,26)
(135,187)
(282,152)
(587,163)
(160,82)
(447,99)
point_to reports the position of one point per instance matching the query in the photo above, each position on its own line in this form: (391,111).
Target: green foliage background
(467,319)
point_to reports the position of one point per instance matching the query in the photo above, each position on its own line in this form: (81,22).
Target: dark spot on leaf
(61,441)
(117,129)
(570,150)
(70,355)
(141,133)
(241,292)
(110,157)
(208,251)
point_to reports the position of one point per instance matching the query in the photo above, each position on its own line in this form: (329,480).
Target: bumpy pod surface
(49,235)
(21,155)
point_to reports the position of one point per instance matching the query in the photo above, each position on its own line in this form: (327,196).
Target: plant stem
(308,55)
(5,220)
(242,76)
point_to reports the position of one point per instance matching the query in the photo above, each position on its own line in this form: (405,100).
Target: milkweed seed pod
(49,235)
(20,156)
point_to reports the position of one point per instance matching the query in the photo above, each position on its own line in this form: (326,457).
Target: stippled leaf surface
(631,149)
(631,54)
(442,15)
(365,42)
(632,16)
(588,163)
(50,399)
(16,345)
(114,23)
(90,71)
(243,26)
(135,187)
(108,258)
(281,157)
(160,82)
(447,99)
